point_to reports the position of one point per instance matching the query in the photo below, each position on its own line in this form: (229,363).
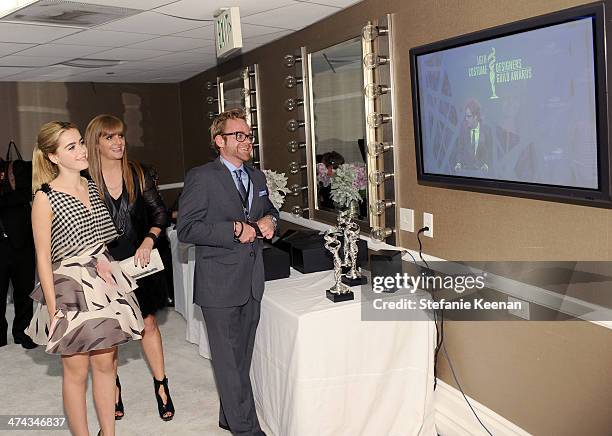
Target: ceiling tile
(205,32)
(172,43)
(151,22)
(296,16)
(180,58)
(132,4)
(24,33)
(205,9)
(9,71)
(31,61)
(336,3)
(11,47)
(128,54)
(74,51)
(101,38)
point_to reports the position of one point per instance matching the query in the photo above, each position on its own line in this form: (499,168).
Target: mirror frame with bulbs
(380,103)
(298,126)
(249,91)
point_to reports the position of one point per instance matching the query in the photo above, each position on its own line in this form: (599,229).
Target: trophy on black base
(339,291)
(350,228)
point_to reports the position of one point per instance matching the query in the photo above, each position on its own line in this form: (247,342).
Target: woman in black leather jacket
(129,191)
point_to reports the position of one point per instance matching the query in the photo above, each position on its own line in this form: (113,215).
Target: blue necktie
(241,189)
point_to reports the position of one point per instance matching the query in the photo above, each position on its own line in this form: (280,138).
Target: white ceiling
(154,46)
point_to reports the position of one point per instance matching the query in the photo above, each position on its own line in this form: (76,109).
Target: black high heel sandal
(119,404)
(161,407)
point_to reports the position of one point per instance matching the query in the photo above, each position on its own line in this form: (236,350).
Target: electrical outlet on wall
(407,219)
(428,222)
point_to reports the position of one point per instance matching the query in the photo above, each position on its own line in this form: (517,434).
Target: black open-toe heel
(161,407)
(119,404)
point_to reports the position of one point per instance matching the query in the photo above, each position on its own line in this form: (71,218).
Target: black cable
(424,229)
(450,365)
(440,340)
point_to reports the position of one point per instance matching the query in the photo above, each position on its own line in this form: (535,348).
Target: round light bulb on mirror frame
(373,60)
(296,189)
(377,119)
(380,206)
(378,177)
(211,100)
(372,90)
(210,86)
(370,32)
(298,211)
(290,60)
(292,103)
(211,115)
(378,148)
(381,233)
(245,92)
(293,146)
(294,167)
(293,125)
(246,74)
(291,81)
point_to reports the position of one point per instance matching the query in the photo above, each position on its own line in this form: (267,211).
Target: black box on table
(276,263)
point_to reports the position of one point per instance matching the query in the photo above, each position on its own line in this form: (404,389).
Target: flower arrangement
(347,182)
(277,187)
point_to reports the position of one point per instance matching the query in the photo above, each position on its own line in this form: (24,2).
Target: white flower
(277,187)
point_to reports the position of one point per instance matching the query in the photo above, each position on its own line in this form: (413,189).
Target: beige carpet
(31,384)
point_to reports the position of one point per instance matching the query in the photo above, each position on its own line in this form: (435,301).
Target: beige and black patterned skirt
(93,315)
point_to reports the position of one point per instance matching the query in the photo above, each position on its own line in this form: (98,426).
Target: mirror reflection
(232,92)
(339,128)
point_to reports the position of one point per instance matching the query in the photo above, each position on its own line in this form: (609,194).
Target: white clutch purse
(138,272)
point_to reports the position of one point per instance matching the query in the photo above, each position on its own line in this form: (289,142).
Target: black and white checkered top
(75,228)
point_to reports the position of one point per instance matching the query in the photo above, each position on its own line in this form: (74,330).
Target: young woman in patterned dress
(86,306)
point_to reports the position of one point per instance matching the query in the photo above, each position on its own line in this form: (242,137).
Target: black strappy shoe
(161,407)
(119,404)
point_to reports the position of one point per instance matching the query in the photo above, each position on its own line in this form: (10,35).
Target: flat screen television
(519,109)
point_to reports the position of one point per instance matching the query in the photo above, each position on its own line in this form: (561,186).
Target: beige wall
(548,378)
(151,113)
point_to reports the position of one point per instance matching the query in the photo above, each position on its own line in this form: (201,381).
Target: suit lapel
(256,204)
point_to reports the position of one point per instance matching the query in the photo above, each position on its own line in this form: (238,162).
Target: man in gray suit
(225,211)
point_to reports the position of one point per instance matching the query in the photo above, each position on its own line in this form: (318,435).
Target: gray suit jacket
(226,271)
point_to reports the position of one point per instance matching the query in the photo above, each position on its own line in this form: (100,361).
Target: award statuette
(353,276)
(339,291)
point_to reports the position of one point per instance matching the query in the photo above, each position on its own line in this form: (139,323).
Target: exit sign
(228,34)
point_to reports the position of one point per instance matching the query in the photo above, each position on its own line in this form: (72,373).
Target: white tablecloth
(317,368)
(183,267)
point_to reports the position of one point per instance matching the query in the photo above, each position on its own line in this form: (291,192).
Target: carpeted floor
(31,384)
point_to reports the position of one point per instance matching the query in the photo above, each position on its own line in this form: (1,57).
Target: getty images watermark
(428,283)
(405,296)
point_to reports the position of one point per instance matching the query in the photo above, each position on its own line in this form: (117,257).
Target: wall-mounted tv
(519,109)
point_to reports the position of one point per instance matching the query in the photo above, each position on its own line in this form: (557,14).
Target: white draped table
(317,368)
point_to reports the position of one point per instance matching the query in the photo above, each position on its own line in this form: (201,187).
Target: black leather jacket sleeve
(156,209)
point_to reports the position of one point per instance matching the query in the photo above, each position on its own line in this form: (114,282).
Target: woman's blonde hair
(43,170)
(104,125)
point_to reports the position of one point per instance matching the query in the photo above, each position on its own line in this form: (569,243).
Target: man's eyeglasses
(240,136)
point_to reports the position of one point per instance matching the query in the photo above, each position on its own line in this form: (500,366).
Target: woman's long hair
(98,127)
(43,170)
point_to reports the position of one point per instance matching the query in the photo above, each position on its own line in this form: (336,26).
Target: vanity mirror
(238,89)
(338,131)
